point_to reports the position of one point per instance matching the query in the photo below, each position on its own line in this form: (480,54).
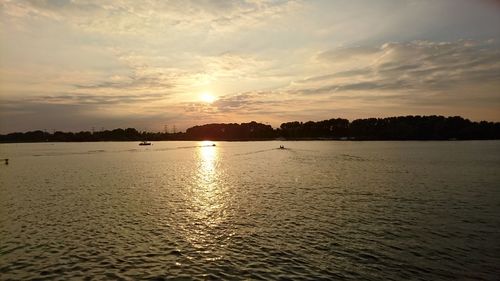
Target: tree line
(391,128)
(394,128)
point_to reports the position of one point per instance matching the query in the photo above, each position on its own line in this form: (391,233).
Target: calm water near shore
(247,210)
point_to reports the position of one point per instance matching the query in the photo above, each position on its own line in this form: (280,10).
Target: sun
(207,97)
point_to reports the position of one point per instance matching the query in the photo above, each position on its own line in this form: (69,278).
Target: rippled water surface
(246,210)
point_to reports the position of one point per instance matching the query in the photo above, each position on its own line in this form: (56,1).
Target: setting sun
(207,97)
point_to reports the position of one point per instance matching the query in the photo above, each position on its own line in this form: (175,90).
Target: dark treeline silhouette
(129,134)
(233,131)
(391,128)
(333,128)
(394,128)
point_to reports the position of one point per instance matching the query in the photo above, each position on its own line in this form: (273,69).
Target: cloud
(244,102)
(416,65)
(145,17)
(94,99)
(230,103)
(347,54)
(148,83)
(81,112)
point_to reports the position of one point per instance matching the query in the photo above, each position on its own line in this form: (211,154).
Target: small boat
(145,143)
(282,147)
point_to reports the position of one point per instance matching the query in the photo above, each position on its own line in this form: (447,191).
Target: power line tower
(175,130)
(165,128)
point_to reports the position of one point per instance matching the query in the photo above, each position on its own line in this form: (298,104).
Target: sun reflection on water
(208,195)
(208,198)
(207,157)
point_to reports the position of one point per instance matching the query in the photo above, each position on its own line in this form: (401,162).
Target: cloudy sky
(72,64)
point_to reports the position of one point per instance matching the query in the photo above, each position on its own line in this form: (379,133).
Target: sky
(71,65)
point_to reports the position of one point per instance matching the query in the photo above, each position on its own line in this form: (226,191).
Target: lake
(247,210)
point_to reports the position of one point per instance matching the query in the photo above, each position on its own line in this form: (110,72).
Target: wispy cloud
(76,99)
(131,17)
(417,65)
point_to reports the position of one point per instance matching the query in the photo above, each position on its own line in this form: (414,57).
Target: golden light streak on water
(208,198)
(207,194)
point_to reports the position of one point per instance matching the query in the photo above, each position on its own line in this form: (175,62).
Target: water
(246,210)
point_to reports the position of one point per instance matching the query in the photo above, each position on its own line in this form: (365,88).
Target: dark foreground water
(317,210)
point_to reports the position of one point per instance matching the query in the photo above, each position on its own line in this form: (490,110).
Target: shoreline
(262,140)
